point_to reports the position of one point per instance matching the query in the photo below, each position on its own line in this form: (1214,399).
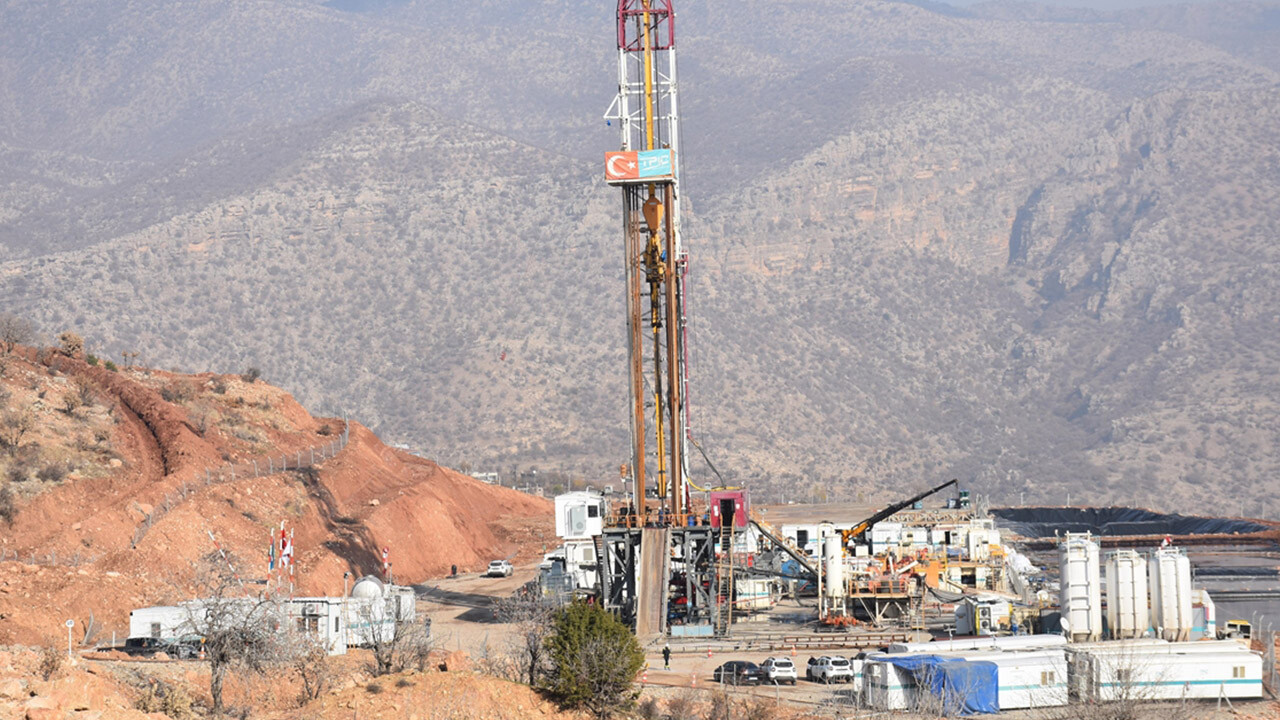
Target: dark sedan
(739,672)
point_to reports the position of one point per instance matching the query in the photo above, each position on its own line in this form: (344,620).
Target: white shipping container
(163,622)
(886,687)
(1156,674)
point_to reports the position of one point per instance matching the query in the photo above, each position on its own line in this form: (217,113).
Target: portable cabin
(931,683)
(1154,673)
(162,622)
(731,507)
(579,515)
(320,618)
(886,686)
(984,642)
(1026,678)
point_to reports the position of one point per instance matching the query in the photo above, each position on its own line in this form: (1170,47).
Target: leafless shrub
(8,504)
(172,700)
(310,660)
(14,331)
(14,425)
(70,344)
(683,706)
(396,644)
(51,659)
(251,375)
(534,621)
(53,472)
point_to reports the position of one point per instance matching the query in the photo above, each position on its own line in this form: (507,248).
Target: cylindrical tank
(833,562)
(1170,581)
(1080,597)
(1127,594)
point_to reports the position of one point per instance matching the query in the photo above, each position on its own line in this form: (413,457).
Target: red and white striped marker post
(693,680)
(708,653)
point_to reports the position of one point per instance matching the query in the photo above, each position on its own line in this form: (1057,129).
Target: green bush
(594,659)
(91,359)
(109,365)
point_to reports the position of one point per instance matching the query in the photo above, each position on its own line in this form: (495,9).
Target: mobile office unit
(320,618)
(162,622)
(887,686)
(1155,673)
(1026,678)
(984,642)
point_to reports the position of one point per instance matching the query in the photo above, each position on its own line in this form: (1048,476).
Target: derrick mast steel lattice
(647,169)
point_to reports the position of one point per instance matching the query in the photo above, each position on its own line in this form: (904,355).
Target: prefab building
(985,642)
(321,618)
(1026,678)
(579,515)
(1155,673)
(163,622)
(885,686)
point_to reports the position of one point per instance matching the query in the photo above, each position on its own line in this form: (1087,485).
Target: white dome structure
(367,587)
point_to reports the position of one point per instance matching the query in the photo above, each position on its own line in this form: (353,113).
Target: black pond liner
(1034,522)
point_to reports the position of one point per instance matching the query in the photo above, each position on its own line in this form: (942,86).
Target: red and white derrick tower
(647,168)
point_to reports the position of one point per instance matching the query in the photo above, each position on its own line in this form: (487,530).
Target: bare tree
(238,630)
(534,620)
(396,644)
(14,331)
(309,658)
(14,424)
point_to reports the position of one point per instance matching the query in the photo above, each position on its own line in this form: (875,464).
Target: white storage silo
(1170,582)
(1080,596)
(833,561)
(1127,613)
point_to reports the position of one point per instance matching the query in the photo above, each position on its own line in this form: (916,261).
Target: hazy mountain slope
(1012,248)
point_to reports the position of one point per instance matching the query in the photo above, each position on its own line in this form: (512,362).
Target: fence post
(284,462)
(255,468)
(299,459)
(313,456)
(271,466)
(233,474)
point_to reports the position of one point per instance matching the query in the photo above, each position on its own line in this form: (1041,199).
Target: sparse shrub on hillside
(251,375)
(14,425)
(177,391)
(91,359)
(85,392)
(8,504)
(53,472)
(683,706)
(373,688)
(109,365)
(70,344)
(71,403)
(51,659)
(172,700)
(325,430)
(219,386)
(14,331)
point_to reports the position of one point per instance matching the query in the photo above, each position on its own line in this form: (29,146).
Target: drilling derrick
(658,567)
(647,170)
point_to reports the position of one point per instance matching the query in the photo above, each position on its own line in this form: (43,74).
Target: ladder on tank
(724,581)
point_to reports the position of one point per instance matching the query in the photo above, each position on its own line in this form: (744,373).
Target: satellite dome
(367,587)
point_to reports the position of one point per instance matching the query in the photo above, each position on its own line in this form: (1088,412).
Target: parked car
(499,568)
(829,669)
(779,670)
(739,672)
(142,645)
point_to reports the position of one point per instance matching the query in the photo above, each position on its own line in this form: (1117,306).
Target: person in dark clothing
(666,657)
(454,570)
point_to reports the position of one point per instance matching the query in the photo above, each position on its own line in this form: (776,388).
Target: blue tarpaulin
(966,687)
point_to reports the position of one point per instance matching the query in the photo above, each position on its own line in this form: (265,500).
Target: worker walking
(666,657)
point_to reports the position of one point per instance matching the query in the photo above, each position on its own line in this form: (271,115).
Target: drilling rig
(660,569)
(647,170)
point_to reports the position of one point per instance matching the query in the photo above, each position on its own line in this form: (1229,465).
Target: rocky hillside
(166,480)
(1025,247)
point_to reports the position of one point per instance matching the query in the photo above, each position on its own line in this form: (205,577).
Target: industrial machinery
(855,533)
(660,570)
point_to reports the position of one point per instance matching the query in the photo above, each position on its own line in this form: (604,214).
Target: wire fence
(1263,637)
(257,467)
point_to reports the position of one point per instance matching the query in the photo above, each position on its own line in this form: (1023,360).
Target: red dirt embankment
(342,512)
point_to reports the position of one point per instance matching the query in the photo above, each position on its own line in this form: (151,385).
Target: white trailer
(1156,673)
(162,622)
(1027,678)
(984,642)
(886,686)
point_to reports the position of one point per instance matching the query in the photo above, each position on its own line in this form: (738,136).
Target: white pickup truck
(829,669)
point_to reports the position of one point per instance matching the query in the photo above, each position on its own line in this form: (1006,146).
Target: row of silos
(1143,593)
